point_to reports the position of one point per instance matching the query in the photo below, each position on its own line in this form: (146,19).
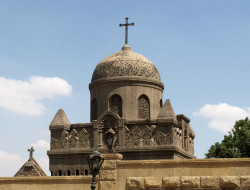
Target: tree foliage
(234,145)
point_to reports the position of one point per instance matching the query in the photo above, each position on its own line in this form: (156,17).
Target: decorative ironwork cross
(31,150)
(126,29)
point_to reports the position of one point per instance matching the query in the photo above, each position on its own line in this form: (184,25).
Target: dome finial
(126,47)
(126,29)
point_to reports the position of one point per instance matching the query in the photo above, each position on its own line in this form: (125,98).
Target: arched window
(185,138)
(77,172)
(93,109)
(160,102)
(143,107)
(68,172)
(115,104)
(60,173)
(86,172)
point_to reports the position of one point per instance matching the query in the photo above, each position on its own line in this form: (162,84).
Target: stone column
(108,173)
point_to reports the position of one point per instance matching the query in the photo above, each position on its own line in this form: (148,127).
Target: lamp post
(111,138)
(95,161)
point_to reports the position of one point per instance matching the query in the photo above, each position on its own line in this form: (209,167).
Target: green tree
(234,145)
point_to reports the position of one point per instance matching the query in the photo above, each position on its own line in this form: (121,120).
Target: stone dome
(126,63)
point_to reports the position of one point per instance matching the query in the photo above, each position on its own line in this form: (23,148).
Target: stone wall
(149,172)
(117,174)
(188,182)
(46,183)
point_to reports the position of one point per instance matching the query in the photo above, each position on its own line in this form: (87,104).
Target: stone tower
(126,95)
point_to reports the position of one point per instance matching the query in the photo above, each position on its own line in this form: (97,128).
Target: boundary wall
(118,174)
(46,183)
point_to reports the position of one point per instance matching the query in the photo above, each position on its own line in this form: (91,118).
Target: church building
(126,96)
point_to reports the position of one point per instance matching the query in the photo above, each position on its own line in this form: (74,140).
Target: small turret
(166,114)
(60,121)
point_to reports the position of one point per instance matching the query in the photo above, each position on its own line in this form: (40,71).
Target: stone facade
(126,95)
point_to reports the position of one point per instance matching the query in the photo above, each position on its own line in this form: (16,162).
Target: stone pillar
(108,172)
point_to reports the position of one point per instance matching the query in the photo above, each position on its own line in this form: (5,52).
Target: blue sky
(49,50)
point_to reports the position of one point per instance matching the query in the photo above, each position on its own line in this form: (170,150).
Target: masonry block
(171,181)
(108,175)
(135,182)
(109,165)
(230,181)
(152,182)
(190,181)
(107,185)
(210,182)
(245,181)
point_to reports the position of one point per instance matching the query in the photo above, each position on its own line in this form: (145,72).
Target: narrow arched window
(68,172)
(86,172)
(115,104)
(77,172)
(185,138)
(93,109)
(143,107)
(60,173)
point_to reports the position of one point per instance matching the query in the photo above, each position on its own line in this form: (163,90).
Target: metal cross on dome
(31,150)
(126,29)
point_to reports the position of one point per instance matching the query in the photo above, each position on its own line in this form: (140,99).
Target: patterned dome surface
(126,63)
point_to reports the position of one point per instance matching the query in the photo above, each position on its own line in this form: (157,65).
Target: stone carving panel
(147,135)
(72,140)
(163,135)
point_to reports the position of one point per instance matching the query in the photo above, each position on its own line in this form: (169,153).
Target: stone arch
(143,107)
(106,121)
(115,104)
(93,109)
(109,121)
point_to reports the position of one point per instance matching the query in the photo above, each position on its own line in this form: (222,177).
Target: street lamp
(95,161)
(111,138)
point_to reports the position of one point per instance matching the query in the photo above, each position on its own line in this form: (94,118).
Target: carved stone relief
(147,135)
(72,140)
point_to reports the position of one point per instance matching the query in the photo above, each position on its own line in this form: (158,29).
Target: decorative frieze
(71,140)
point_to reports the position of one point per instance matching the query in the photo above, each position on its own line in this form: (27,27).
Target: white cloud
(41,144)
(223,116)
(9,164)
(23,96)
(5,157)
